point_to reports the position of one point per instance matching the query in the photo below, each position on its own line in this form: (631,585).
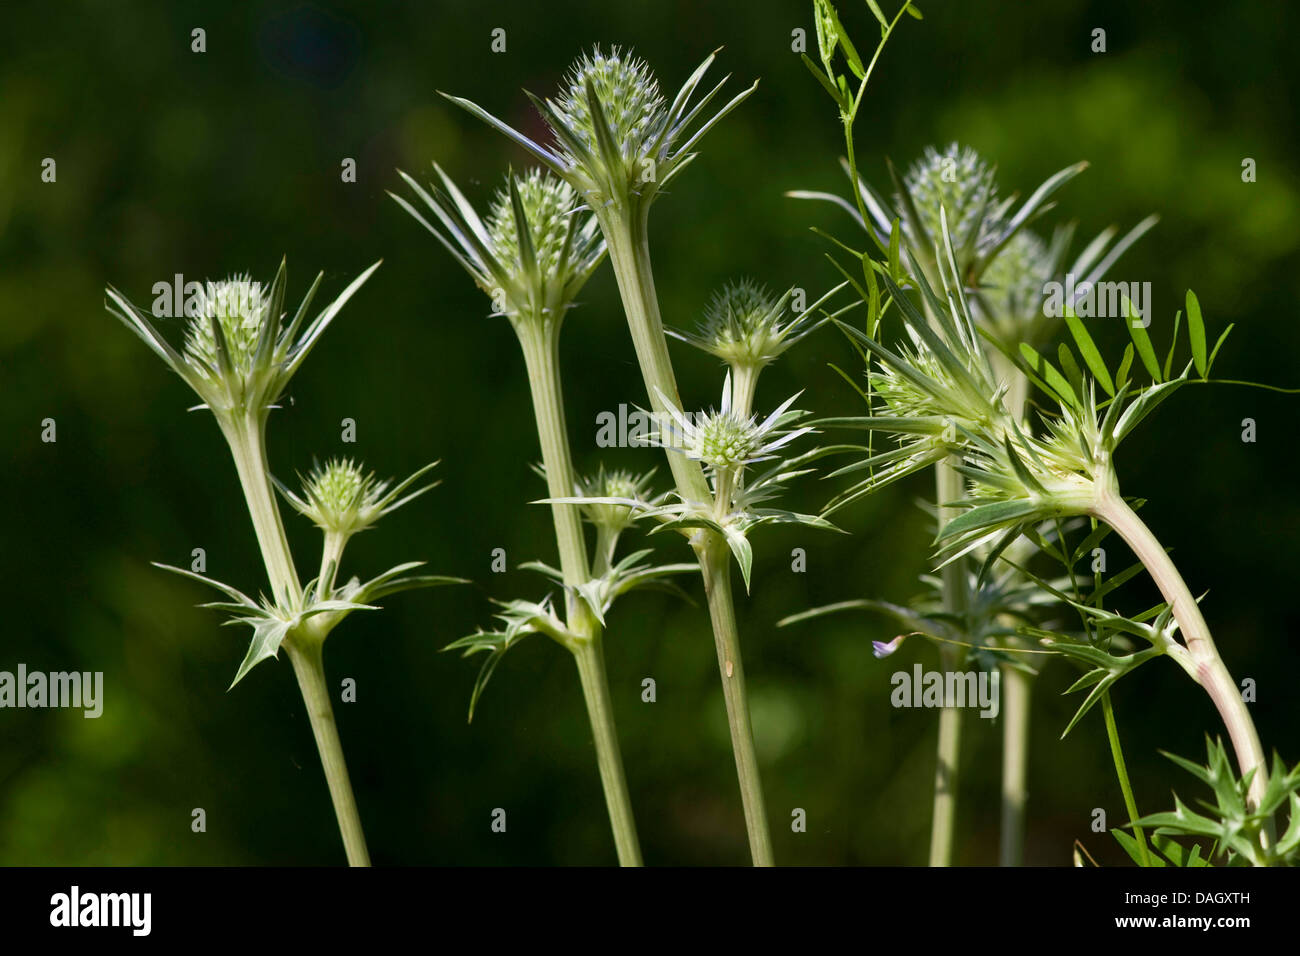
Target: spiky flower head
(238,305)
(727,441)
(535,250)
(238,355)
(618,140)
(960,183)
(628,95)
(1013,282)
(619,483)
(341,497)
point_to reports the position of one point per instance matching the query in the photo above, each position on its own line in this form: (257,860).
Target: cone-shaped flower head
(749,327)
(961,183)
(727,441)
(238,353)
(535,250)
(618,140)
(619,483)
(341,497)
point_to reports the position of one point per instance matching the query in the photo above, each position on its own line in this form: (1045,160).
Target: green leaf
(1125,363)
(1091,356)
(1196,332)
(1131,847)
(983,516)
(268,635)
(1047,372)
(915,11)
(1142,341)
(895,241)
(876,12)
(824,81)
(740,547)
(850,52)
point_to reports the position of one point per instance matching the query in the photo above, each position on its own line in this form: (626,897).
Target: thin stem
(540,343)
(943,824)
(247,441)
(715,561)
(331,553)
(309,667)
(1209,669)
(542,358)
(590,658)
(629,254)
(948,488)
(1017,688)
(1121,771)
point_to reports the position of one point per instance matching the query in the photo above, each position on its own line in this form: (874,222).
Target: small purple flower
(885,648)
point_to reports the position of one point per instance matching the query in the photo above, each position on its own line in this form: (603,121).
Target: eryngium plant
(941,397)
(531,255)
(238,356)
(618,142)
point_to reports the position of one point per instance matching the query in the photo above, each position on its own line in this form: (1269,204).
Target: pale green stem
(309,667)
(590,658)
(1017,687)
(540,343)
(715,560)
(943,824)
(629,254)
(331,553)
(541,347)
(1208,668)
(948,487)
(247,440)
(606,543)
(744,382)
(1121,771)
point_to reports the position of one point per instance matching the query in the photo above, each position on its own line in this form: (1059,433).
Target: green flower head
(238,355)
(725,440)
(960,183)
(618,139)
(535,250)
(747,326)
(341,497)
(620,484)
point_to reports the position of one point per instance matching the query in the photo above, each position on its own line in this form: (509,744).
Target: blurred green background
(207,164)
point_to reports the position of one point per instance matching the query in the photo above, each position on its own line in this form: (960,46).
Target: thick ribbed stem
(629,254)
(247,441)
(715,561)
(1210,671)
